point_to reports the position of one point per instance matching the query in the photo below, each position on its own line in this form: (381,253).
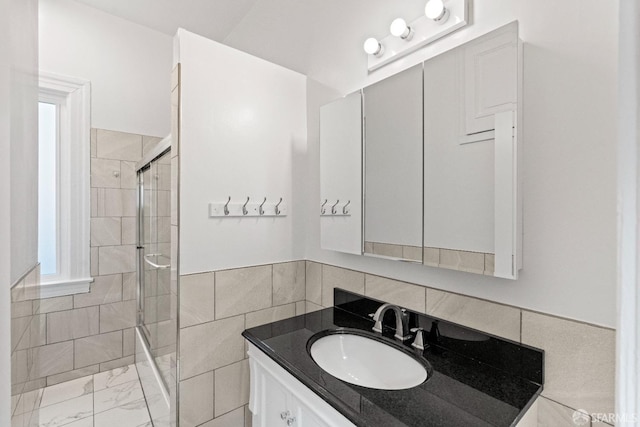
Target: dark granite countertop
(477,379)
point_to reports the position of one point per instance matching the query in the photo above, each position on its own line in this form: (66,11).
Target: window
(63,185)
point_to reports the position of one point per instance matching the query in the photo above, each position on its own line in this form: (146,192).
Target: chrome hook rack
(337,208)
(249,208)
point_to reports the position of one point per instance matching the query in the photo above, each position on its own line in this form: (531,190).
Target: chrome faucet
(402,320)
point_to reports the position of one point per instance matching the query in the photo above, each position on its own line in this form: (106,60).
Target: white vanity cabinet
(278,399)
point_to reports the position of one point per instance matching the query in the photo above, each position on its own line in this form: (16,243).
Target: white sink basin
(366,362)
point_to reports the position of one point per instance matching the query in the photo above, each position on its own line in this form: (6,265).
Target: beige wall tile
(118,145)
(489,264)
(553,414)
(400,293)
(103,290)
(579,361)
(231,387)
(268,315)
(197,299)
(311,307)
(128,176)
(413,253)
(117,315)
(22,308)
(174,190)
(301,308)
(387,249)
(94,255)
(211,345)
(94,142)
(97,349)
(129,286)
(288,282)
(148,142)
(49,305)
(115,202)
(242,290)
(106,231)
(117,259)
(94,202)
(336,277)
(196,400)
(105,173)
(51,359)
(72,375)
(248,417)
(117,363)
(496,319)
(368,247)
(128,342)
(472,262)
(38,331)
(71,324)
(234,418)
(313,283)
(129,231)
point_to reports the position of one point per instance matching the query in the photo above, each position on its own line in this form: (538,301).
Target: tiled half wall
(217,306)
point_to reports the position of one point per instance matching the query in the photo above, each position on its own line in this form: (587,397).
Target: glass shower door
(155,317)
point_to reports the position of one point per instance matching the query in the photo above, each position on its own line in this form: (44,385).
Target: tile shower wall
(215,307)
(579,357)
(63,338)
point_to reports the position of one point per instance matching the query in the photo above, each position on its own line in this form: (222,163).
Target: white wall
(242,134)
(18,176)
(569,160)
(129,65)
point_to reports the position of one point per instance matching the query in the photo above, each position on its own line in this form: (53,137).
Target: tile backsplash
(217,306)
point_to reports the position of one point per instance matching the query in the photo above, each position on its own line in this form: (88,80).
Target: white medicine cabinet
(424,166)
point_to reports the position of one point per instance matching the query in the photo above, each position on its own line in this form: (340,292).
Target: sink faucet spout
(402,319)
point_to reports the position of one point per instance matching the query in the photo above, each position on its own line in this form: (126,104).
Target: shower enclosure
(156,330)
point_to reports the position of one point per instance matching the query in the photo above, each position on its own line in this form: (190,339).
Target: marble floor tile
(114,377)
(118,395)
(65,412)
(67,390)
(132,414)
(116,400)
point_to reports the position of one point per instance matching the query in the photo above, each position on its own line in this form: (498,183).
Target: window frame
(72,96)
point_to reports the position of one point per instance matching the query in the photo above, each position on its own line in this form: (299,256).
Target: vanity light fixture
(373,47)
(399,28)
(436,11)
(439,18)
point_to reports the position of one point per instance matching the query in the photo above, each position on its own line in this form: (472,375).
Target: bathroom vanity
(475,379)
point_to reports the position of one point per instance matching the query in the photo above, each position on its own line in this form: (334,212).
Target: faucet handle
(418,342)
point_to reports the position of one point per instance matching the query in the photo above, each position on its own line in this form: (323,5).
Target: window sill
(64,287)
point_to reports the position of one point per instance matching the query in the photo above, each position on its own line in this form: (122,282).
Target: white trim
(71,287)
(73,96)
(628,330)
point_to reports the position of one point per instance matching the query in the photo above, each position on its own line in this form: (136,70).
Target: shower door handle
(153,264)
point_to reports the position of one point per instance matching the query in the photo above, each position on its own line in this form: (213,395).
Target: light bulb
(435,10)
(399,28)
(373,47)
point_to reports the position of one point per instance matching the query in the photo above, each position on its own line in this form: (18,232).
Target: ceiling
(319,38)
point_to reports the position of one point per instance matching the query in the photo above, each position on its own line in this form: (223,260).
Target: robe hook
(226,206)
(333,208)
(244,207)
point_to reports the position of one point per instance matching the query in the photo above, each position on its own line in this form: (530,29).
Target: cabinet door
(306,417)
(491,84)
(273,402)
(341,175)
